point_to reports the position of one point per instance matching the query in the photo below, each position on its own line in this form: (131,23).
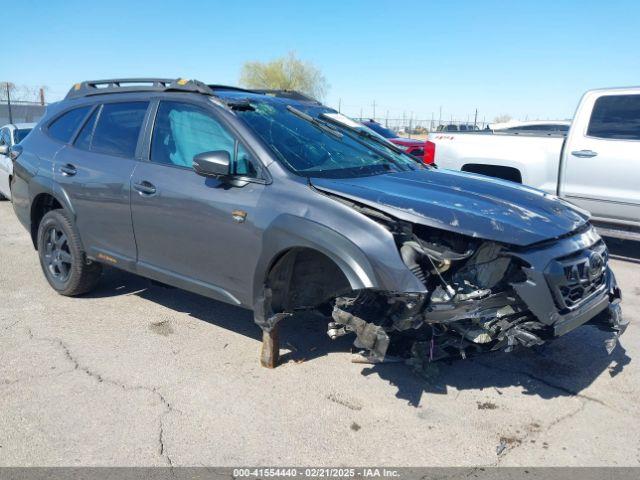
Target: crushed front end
(483,296)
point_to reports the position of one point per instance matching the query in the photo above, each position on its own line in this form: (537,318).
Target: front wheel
(61,256)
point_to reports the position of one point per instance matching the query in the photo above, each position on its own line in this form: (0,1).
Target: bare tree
(503,118)
(28,93)
(7,89)
(20,93)
(286,73)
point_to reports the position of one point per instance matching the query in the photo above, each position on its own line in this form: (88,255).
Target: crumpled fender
(290,231)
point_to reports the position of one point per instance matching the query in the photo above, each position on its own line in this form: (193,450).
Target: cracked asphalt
(139,375)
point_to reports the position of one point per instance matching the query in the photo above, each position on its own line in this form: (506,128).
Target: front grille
(576,278)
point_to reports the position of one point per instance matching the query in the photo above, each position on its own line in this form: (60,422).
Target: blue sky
(528,59)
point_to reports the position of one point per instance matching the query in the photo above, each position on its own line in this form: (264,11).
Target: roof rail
(292,94)
(230,88)
(123,85)
(280,93)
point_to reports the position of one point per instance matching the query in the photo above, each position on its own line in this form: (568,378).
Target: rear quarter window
(616,117)
(63,127)
(83,140)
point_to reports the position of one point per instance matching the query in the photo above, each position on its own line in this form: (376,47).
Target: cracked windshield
(322,147)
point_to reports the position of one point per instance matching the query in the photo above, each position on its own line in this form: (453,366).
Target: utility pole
(410,124)
(6,84)
(41,96)
(475,119)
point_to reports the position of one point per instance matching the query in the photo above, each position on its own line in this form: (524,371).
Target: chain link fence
(422,126)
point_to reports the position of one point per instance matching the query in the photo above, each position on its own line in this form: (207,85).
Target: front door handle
(145,188)
(68,170)
(584,153)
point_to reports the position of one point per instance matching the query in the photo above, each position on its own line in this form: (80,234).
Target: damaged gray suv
(271,201)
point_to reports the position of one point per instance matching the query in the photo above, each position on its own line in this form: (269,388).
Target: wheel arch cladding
(42,203)
(293,245)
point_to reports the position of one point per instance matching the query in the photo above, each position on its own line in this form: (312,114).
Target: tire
(61,257)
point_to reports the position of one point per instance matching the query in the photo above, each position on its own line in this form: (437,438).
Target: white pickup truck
(596,166)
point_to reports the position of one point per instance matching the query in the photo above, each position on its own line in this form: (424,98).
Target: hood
(407,142)
(469,204)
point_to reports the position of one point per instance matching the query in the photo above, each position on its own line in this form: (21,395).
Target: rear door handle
(68,170)
(145,188)
(584,153)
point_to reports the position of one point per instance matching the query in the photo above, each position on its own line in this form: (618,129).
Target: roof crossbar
(122,85)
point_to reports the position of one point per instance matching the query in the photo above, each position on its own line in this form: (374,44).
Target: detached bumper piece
(611,320)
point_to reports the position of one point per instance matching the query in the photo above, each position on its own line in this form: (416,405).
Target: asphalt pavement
(134,374)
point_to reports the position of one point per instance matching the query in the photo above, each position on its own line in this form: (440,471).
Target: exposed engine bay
(481,295)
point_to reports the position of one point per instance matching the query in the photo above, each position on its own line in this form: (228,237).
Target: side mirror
(212,164)
(4,149)
(15,151)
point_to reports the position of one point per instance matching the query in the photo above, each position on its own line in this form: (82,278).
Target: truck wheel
(61,256)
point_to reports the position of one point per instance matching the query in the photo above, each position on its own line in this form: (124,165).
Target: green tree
(286,73)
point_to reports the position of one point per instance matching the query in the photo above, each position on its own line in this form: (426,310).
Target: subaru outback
(271,201)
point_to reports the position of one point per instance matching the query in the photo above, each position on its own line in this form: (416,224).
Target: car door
(95,173)
(5,163)
(195,232)
(602,157)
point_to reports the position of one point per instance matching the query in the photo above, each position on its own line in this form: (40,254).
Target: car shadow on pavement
(627,250)
(563,367)
(303,336)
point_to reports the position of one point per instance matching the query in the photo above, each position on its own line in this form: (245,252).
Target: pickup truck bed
(596,166)
(534,161)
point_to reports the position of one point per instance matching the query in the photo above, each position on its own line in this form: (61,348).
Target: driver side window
(182,131)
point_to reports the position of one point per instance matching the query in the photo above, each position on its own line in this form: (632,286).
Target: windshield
(18,135)
(379,129)
(311,147)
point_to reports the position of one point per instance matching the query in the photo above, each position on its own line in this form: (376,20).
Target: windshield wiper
(315,122)
(358,135)
(327,125)
(363,133)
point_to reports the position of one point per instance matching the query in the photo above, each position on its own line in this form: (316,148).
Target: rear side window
(118,128)
(617,117)
(65,125)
